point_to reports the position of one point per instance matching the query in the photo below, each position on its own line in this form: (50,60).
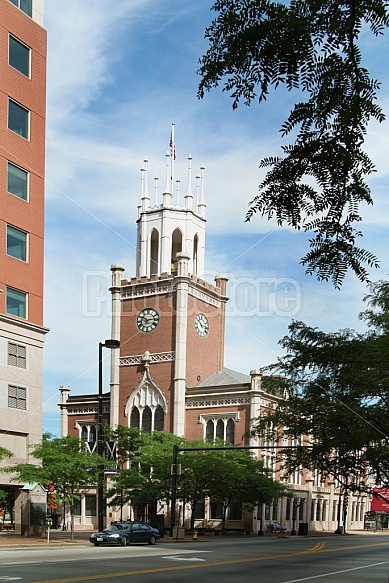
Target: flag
(172,146)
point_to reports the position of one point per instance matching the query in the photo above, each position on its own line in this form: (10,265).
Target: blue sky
(119,74)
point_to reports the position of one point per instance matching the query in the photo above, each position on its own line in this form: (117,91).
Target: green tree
(310,47)
(240,478)
(4,453)
(228,476)
(337,396)
(144,469)
(66,464)
(7,502)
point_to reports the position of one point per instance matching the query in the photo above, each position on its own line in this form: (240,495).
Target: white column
(182,283)
(64,411)
(255,402)
(117,272)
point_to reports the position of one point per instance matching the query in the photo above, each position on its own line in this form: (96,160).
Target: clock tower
(169,320)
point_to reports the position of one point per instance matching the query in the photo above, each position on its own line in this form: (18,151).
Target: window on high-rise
(24,5)
(18,119)
(16,243)
(19,56)
(17,181)
(17,397)
(16,355)
(16,302)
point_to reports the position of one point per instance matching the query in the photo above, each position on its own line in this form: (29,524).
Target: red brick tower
(169,320)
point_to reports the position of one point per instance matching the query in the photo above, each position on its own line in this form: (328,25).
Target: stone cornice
(209,402)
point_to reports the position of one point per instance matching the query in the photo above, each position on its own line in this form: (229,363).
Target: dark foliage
(310,46)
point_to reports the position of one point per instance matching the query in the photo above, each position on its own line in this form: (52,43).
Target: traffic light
(345,502)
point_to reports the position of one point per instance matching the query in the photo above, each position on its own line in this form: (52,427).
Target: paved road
(345,559)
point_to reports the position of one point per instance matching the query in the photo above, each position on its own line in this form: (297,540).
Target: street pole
(339,530)
(176,450)
(100,432)
(100,444)
(293,531)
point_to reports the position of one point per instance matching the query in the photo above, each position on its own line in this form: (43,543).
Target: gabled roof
(31,485)
(225,377)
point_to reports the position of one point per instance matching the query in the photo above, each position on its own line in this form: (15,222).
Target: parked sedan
(124,533)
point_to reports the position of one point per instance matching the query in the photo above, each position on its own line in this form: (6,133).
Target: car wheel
(96,544)
(123,541)
(152,540)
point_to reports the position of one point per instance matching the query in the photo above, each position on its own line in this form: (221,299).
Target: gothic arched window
(135,417)
(84,434)
(154,252)
(159,418)
(209,430)
(146,419)
(220,429)
(195,252)
(230,431)
(176,247)
(92,433)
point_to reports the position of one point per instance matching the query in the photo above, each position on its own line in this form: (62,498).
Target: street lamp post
(296,505)
(100,431)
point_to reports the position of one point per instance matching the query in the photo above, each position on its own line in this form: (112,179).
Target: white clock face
(201,325)
(147,320)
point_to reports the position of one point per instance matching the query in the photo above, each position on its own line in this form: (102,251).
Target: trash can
(303,529)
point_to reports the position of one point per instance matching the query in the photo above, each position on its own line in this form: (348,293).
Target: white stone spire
(167,195)
(178,191)
(201,205)
(145,199)
(156,190)
(189,196)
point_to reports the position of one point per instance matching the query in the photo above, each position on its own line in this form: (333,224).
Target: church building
(169,373)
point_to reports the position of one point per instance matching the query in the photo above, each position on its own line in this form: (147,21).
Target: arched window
(220,429)
(176,247)
(154,252)
(209,430)
(135,417)
(230,431)
(84,434)
(92,433)
(159,418)
(146,419)
(195,251)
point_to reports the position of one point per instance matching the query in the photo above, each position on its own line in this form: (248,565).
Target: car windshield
(113,528)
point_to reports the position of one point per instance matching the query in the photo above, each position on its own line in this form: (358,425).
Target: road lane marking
(173,558)
(318,547)
(336,573)
(210,564)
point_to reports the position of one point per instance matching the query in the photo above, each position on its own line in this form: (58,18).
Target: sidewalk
(11,539)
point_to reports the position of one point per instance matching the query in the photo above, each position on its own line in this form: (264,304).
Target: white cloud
(118,75)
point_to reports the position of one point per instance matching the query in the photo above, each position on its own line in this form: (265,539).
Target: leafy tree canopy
(4,453)
(337,396)
(227,476)
(310,46)
(64,463)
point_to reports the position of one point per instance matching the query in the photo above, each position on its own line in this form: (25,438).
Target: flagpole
(172,155)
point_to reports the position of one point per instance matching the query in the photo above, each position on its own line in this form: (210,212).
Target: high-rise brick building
(22,167)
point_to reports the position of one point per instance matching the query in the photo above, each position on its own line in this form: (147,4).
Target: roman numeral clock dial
(201,325)
(147,320)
